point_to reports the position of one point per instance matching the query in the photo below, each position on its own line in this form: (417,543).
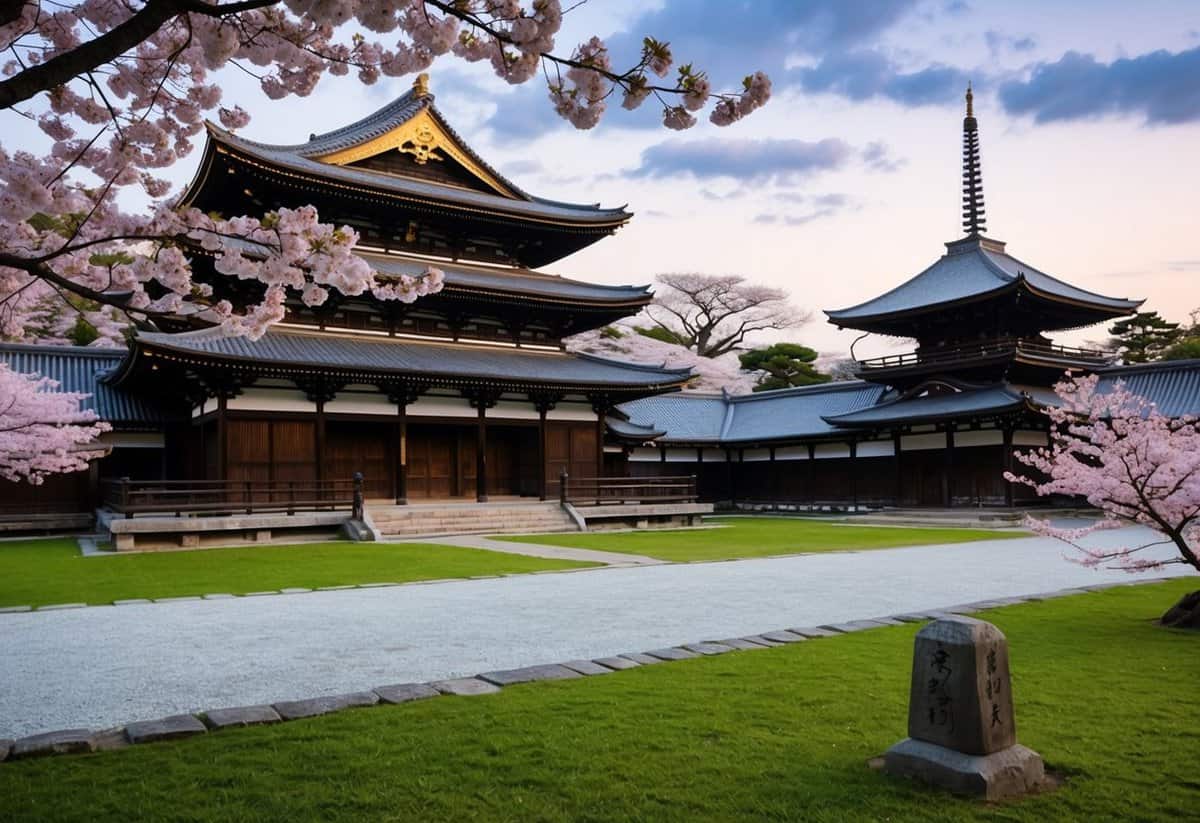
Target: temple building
(935,427)
(467,393)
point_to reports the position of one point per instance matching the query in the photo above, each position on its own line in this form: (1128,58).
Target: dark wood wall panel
(356,446)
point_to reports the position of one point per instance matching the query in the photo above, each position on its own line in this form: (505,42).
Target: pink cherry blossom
(43,431)
(1127,459)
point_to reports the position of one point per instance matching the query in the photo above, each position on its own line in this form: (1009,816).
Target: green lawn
(761,537)
(39,572)
(780,734)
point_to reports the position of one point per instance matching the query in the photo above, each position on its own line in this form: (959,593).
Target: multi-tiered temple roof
(406,181)
(978,313)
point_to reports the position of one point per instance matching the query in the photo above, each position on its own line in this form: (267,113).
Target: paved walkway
(105,666)
(471,541)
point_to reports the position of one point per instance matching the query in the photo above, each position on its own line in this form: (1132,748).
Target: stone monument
(962,735)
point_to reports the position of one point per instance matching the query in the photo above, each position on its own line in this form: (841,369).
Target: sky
(848,181)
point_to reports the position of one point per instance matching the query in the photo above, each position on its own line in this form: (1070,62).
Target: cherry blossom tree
(712,315)
(1129,460)
(120,89)
(43,431)
(622,341)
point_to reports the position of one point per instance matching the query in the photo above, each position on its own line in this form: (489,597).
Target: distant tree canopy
(1144,337)
(1186,349)
(784,365)
(662,334)
(712,315)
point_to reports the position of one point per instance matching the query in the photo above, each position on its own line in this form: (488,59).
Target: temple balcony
(985,361)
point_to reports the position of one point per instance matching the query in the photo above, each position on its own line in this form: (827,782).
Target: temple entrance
(443,460)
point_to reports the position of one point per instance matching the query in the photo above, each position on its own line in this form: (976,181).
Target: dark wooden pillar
(222,439)
(948,467)
(481,400)
(809,474)
(320,438)
(543,402)
(729,478)
(773,482)
(400,483)
(899,479)
(854,474)
(481,455)
(600,405)
(1008,464)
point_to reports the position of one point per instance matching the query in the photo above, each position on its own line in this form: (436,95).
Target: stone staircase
(440,519)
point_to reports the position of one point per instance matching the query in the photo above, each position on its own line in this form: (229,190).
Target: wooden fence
(599,491)
(214,497)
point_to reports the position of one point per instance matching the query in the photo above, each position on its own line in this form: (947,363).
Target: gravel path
(105,666)
(472,541)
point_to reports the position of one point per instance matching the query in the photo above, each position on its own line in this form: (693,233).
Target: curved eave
(142,350)
(886,322)
(848,421)
(588,219)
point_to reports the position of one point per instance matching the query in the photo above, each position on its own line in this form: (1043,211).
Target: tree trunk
(1185,614)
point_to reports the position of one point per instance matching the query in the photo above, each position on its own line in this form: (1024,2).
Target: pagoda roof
(977,268)
(411,123)
(1172,385)
(521,282)
(363,358)
(967,402)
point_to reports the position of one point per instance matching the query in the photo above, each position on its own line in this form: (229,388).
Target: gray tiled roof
(1173,385)
(405,356)
(299,157)
(79,369)
(973,267)
(512,280)
(935,407)
(630,430)
(771,415)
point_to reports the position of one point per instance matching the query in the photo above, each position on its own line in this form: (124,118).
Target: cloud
(863,75)
(1159,86)
(728,39)
(998,42)
(746,160)
(1183,265)
(825,205)
(878,157)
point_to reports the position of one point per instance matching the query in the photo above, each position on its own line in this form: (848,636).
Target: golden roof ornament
(421,85)
(970,101)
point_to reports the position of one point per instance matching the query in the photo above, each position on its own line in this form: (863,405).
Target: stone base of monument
(1007,773)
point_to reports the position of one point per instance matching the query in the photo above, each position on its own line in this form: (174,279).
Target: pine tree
(1143,337)
(785,365)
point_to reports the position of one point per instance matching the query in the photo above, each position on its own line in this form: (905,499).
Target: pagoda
(468,392)
(978,314)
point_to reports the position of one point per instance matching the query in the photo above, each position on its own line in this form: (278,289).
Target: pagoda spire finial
(421,85)
(974,221)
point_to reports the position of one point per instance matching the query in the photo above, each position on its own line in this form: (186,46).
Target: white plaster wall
(1030,438)
(876,448)
(755,455)
(513,410)
(572,411)
(792,453)
(681,455)
(641,454)
(348,402)
(828,451)
(440,406)
(966,439)
(280,400)
(207,406)
(714,456)
(920,442)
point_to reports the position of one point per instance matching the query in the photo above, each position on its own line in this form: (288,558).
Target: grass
(762,537)
(782,734)
(40,572)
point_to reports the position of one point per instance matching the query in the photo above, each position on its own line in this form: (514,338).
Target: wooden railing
(180,497)
(989,348)
(599,491)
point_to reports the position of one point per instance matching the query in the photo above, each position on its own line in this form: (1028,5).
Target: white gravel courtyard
(104,666)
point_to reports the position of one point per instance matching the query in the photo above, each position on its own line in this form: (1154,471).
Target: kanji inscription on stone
(961,694)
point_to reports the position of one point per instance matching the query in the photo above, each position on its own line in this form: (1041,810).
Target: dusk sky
(848,181)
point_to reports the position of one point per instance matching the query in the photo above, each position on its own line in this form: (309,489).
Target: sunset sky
(848,181)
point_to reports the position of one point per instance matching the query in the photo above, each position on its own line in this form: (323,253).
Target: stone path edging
(76,741)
